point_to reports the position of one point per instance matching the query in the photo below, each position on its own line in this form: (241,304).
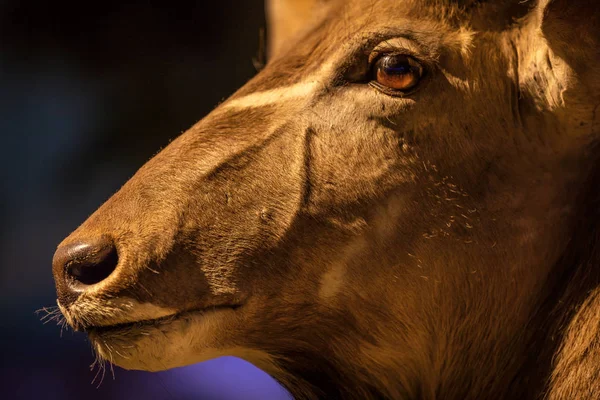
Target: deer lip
(148,323)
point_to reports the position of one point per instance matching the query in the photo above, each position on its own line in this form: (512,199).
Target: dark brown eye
(397,72)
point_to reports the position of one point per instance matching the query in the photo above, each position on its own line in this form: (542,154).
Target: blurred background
(89,91)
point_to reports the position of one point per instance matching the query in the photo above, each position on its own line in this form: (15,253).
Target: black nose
(76,266)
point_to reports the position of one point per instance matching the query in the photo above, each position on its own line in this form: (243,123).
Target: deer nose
(77,266)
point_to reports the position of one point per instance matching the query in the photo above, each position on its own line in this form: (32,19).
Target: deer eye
(397,72)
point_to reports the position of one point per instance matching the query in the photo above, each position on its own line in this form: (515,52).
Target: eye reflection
(397,72)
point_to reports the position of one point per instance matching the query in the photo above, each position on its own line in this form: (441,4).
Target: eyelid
(400,45)
(360,64)
(397,43)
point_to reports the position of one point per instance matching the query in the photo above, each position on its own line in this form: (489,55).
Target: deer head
(388,210)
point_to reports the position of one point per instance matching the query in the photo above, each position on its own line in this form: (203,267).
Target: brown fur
(355,245)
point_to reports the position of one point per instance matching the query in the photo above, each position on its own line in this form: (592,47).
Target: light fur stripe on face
(298,91)
(274,96)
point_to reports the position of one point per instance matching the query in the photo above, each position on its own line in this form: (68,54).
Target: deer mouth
(140,326)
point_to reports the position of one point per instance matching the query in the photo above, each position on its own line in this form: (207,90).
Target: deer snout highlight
(80,265)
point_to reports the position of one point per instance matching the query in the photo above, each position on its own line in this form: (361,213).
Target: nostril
(88,263)
(93,268)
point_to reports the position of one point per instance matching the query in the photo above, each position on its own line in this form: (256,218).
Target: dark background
(89,91)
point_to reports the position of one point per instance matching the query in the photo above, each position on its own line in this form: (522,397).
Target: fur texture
(440,244)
